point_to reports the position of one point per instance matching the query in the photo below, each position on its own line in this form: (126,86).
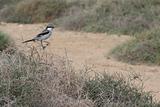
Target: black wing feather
(43,33)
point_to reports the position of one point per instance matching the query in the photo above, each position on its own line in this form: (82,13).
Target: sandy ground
(87,49)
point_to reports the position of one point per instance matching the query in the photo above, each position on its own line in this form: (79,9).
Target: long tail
(28,41)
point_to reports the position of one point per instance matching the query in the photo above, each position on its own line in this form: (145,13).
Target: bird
(45,34)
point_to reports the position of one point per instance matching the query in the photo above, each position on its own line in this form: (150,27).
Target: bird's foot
(47,44)
(44,47)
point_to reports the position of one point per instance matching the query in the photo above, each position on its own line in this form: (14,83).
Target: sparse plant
(115,91)
(145,48)
(4,41)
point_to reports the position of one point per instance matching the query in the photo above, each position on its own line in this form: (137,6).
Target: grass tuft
(4,41)
(115,91)
(145,48)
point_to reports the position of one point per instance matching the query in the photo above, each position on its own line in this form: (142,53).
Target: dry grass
(37,80)
(29,81)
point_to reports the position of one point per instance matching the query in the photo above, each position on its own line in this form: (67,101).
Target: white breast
(50,29)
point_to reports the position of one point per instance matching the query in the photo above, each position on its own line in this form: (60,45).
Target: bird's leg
(42,44)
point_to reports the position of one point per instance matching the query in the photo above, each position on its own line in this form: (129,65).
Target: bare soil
(87,49)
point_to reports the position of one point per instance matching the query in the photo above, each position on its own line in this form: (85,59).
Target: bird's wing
(43,33)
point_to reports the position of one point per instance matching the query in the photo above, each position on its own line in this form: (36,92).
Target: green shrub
(32,11)
(72,23)
(6,9)
(4,3)
(118,16)
(145,48)
(4,41)
(115,91)
(77,15)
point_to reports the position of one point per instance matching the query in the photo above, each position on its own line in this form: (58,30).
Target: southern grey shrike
(45,34)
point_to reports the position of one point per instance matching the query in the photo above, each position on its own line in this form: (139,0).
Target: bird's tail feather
(29,40)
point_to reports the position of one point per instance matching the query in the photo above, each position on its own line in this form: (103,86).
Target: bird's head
(50,27)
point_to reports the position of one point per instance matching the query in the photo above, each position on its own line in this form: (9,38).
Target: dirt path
(88,49)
